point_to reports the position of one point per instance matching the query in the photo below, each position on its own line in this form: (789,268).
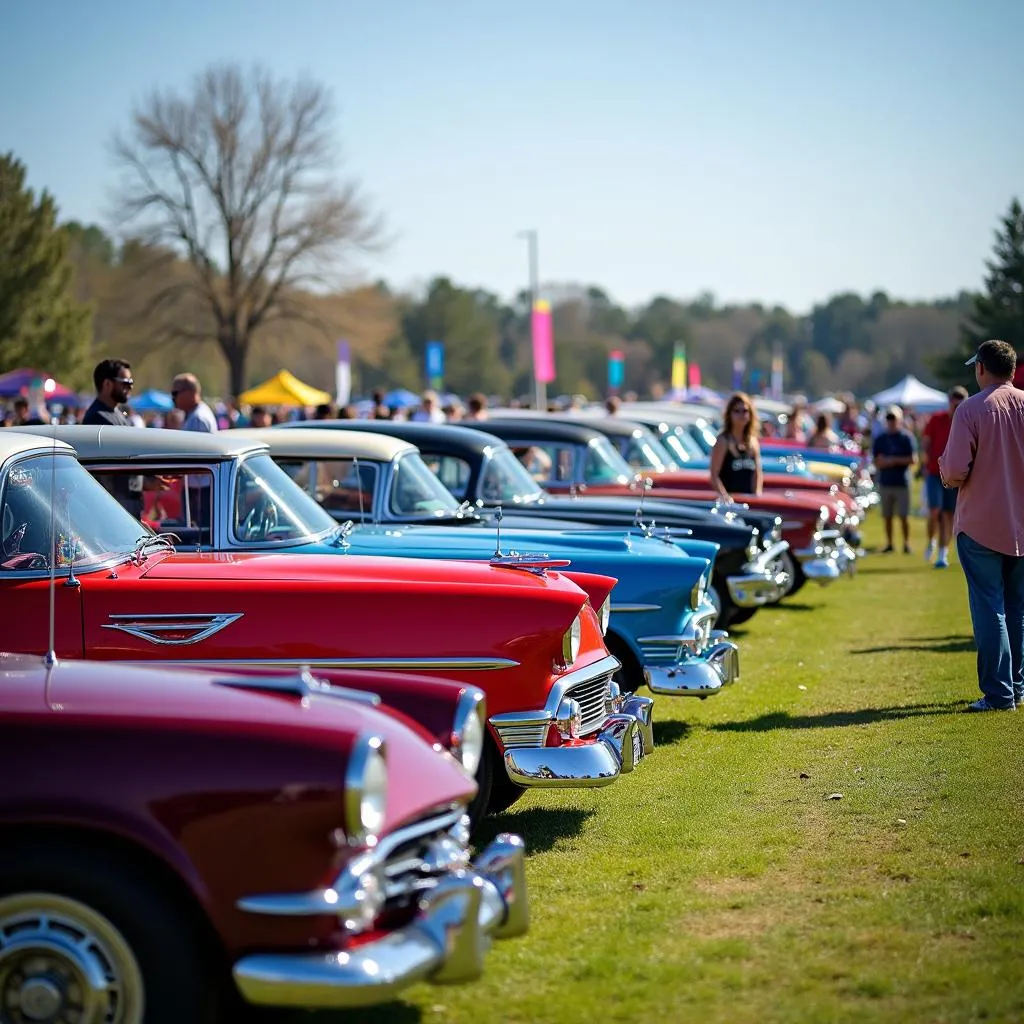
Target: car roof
(16,441)
(109,441)
(445,437)
(314,442)
(541,429)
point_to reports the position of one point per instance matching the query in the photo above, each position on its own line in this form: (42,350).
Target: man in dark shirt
(893,451)
(113,380)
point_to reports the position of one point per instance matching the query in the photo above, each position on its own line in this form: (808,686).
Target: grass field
(831,839)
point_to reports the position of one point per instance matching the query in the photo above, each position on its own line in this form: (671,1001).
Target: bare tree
(238,178)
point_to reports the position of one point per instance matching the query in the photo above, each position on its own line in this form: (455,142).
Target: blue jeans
(995,591)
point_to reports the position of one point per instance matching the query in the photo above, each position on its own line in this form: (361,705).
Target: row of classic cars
(345,685)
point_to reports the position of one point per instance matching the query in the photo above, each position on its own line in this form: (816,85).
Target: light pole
(540,388)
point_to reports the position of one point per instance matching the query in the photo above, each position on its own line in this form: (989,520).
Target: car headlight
(697,593)
(366,790)
(468,730)
(571,642)
(569,718)
(604,614)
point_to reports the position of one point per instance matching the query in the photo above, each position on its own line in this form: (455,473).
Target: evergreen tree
(998,312)
(41,325)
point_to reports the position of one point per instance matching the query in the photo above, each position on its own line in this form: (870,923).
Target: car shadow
(670,731)
(790,606)
(836,719)
(956,644)
(543,827)
(386,1013)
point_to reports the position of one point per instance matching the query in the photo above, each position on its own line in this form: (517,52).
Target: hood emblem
(173,630)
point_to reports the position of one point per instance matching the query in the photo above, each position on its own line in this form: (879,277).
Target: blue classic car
(661,619)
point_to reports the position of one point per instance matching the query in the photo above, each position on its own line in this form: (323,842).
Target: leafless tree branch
(239,178)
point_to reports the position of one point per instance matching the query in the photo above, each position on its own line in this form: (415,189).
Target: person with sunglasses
(736,457)
(113,380)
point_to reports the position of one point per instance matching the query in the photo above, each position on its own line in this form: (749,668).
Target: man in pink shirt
(984,457)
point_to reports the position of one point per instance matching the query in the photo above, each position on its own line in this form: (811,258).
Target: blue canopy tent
(401,398)
(151,400)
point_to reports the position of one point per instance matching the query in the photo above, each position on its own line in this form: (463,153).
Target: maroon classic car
(530,638)
(175,843)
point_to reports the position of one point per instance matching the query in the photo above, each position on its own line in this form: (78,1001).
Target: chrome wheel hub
(61,962)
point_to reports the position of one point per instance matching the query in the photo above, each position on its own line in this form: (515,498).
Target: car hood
(80,694)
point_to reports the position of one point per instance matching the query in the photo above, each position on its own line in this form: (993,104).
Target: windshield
(645,453)
(504,478)
(415,491)
(91,528)
(269,506)
(681,445)
(604,465)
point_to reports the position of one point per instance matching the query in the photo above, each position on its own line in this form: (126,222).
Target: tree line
(236,227)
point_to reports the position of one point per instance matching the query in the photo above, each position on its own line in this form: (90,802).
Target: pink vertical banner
(694,375)
(543,342)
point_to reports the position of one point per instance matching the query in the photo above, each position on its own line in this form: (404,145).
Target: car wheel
(740,615)
(723,602)
(84,937)
(796,575)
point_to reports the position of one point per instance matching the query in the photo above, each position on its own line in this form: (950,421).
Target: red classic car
(530,638)
(173,843)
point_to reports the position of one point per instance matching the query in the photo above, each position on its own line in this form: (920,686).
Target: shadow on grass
(836,719)
(386,1013)
(542,826)
(670,732)
(953,644)
(791,606)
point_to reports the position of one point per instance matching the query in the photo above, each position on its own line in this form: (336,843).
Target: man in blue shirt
(894,451)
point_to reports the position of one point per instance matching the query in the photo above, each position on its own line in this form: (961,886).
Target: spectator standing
(113,381)
(476,406)
(941,500)
(984,457)
(894,451)
(736,457)
(429,410)
(188,397)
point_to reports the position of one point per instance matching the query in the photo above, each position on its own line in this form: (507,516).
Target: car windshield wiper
(150,540)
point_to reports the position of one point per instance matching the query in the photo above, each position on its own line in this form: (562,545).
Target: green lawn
(720,882)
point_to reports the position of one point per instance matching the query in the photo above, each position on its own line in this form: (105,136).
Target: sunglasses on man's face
(127,382)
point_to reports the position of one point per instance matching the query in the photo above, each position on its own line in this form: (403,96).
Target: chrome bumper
(696,675)
(445,943)
(760,583)
(624,739)
(613,747)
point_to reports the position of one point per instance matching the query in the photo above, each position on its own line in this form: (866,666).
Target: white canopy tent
(910,393)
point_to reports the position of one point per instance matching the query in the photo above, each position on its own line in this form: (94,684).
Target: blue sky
(771,151)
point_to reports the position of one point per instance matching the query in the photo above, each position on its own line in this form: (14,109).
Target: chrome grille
(592,697)
(426,851)
(659,654)
(528,735)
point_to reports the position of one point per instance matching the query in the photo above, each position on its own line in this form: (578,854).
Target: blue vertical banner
(435,365)
(616,370)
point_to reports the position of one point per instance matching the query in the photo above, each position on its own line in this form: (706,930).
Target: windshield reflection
(604,465)
(269,506)
(416,491)
(504,478)
(90,528)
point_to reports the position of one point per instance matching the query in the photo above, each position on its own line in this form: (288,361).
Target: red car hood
(268,567)
(86,694)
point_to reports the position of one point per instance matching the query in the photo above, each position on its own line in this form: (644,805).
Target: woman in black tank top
(736,457)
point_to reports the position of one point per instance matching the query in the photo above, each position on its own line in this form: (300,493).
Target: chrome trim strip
(636,607)
(402,664)
(148,627)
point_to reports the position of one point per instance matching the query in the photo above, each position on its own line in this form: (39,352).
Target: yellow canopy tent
(283,389)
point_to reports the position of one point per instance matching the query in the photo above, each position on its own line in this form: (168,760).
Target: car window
(346,486)
(452,471)
(170,501)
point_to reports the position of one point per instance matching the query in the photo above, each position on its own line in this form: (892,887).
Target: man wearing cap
(984,457)
(894,450)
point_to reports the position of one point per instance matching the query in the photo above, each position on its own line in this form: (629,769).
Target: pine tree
(998,311)
(41,325)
